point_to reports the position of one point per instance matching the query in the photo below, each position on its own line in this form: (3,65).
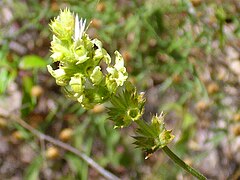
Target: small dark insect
(95,47)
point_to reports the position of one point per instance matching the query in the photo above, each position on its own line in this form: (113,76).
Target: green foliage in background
(173,50)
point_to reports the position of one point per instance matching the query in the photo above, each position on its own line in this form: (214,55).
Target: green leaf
(188,120)
(32,171)
(75,164)
(4,79)
(78,166)
(32,62)
(28,102)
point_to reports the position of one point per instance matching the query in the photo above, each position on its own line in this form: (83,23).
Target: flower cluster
(79,58)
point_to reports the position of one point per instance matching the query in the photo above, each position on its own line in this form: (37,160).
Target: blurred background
(185,54)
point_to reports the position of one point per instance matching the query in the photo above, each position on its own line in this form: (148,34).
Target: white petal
(82,27)
(77,28)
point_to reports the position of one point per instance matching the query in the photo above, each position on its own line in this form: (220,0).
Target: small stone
(66,134)
(52,153)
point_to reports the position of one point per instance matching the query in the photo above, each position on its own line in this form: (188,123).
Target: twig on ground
(63,145)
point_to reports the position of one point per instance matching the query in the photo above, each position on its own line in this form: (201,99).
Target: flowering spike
(79,58)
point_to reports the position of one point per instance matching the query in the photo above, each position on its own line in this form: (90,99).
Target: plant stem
(182,164)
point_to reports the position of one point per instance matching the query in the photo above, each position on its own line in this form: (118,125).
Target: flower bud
(60,52)
(117,75)
(63,25)
(61,78)
(81,54)
(96,76)
(76,83)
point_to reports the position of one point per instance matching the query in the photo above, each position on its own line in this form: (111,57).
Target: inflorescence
(87,74)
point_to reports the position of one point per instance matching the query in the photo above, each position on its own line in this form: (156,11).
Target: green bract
(153,136)
(128,106)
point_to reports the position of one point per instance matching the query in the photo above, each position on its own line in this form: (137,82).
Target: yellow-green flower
(62,26)
(97,75)
(60,75)
(117,74)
